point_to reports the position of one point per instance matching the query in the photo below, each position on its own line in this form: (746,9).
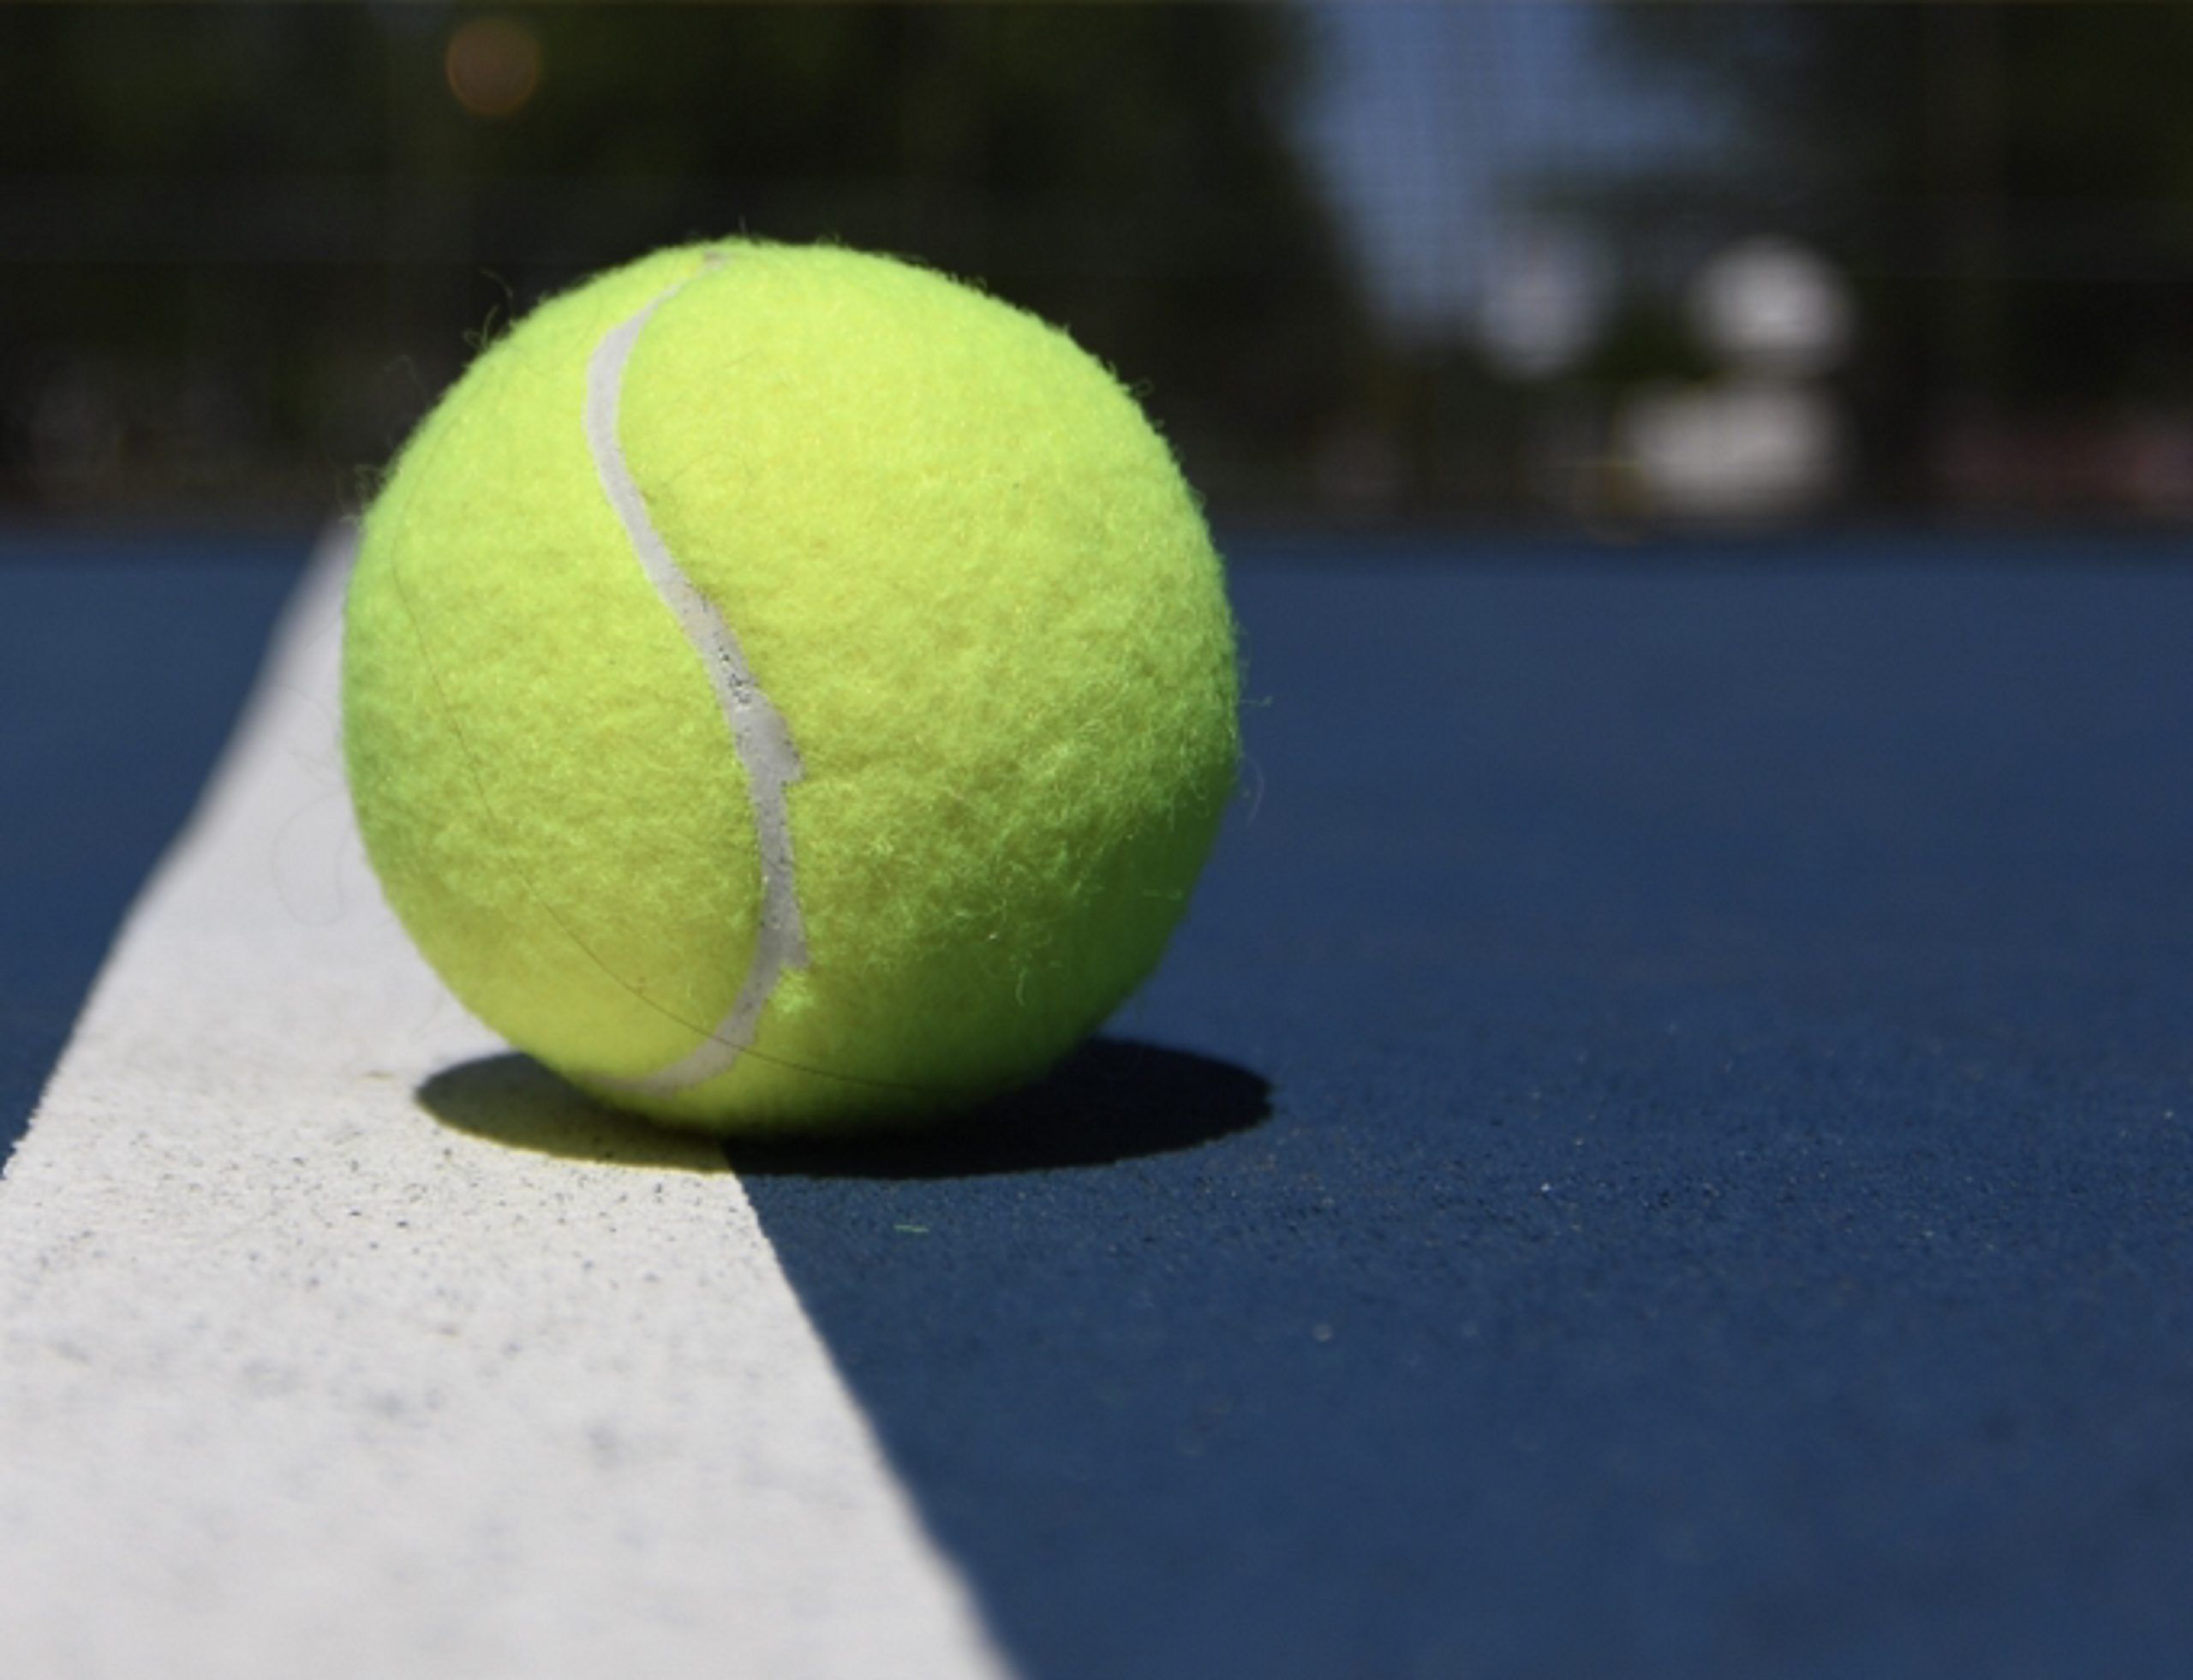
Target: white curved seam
(759,733)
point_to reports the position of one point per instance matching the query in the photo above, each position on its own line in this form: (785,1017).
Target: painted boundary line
(294,1378)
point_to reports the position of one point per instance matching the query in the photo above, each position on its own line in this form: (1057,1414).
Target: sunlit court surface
(1663,1143)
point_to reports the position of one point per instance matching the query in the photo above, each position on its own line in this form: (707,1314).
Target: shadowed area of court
(122,666)
(511,1099)
(1113,1099)
(1665,1144)
(1726,1207)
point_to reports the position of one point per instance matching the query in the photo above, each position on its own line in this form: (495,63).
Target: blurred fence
(1610,265)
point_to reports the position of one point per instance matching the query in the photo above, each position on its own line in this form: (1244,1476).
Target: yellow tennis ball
(781,686)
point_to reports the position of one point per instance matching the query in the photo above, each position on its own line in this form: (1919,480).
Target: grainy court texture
(297,1380)
(1663,1146)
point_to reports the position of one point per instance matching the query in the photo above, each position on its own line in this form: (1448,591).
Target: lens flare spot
(494,66)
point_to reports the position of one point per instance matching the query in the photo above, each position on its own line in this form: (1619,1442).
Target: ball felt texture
(783,685)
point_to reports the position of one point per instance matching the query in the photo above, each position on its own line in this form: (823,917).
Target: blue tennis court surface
(122,666)
(1664,1146)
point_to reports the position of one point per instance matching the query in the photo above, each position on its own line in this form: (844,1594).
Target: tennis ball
(784,686)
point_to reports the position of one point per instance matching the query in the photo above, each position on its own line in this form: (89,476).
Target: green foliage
(292,193)
(2008,185)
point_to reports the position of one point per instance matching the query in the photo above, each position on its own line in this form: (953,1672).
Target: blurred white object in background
(1547,292)
(1747,449)
(1771,306)
(1764,440)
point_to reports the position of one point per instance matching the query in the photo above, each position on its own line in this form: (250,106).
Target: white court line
(296,1380)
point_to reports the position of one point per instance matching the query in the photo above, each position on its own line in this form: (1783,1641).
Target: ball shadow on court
(1113,1099)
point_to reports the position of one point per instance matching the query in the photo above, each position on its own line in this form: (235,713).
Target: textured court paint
(296,1379)
(1727,1208)
(121,664)
(1742,1172)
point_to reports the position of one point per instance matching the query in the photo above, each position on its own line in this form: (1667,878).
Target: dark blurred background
(1598,265)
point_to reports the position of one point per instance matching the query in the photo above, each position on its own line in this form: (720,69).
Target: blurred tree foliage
(281,214)
(2009,188)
